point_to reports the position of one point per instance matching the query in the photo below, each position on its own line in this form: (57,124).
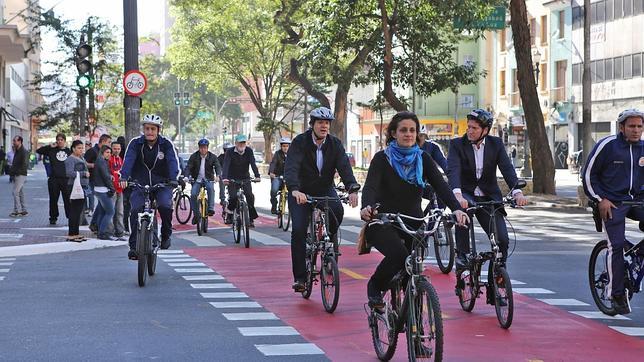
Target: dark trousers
(250,199)
(615,229)
(483,216)
(126,208)
(164,203)
(57,187)
(394,245)
(75,211)
(300,215)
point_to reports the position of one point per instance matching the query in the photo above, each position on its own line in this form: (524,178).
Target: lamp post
(537,60)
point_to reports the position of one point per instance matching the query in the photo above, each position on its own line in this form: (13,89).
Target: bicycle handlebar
(634,203)
(434,215)
(160,185)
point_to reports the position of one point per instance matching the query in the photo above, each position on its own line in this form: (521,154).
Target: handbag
(362,244)
(77,190)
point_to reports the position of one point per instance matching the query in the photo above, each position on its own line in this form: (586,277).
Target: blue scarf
(407,161)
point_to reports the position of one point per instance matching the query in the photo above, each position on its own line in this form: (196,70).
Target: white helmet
(285,140)
(152,119)
(628,113)
(423,130)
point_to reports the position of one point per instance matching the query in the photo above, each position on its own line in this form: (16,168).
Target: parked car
(259,157)
(352,159)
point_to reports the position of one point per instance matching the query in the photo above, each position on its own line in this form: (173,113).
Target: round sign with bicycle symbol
(135,83)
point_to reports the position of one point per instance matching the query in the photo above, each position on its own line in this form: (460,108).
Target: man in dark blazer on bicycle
(472,162)
(204,169)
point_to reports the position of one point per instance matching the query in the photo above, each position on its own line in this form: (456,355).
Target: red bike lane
(539,332)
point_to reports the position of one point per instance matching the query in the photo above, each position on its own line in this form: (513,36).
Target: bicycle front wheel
(152,255)
(383,327)
(503,299)
(599,279)
(444,248)
(285,216)
(466,290)
(236,227)
(245,226)
(142,249)
(425,324)
(182,209)
(330,283)
(310,272)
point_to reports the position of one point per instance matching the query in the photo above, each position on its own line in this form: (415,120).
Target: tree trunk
(543,164)
(388,60)
(268,149)
(296,77)
(340,112)
(588,142)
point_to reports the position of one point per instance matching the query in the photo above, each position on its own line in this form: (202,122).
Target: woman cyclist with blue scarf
(395,180)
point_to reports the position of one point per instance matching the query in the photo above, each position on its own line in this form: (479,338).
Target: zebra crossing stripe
(598,315)
(564,302)
(6,264)
(224,295)
(203,277)
(250,316)
(161,252)
(532,291)
(630,331)
(194,270)
(267,331)
(291,349)
(186,264)
(213,286)
(235,304)
(266,239)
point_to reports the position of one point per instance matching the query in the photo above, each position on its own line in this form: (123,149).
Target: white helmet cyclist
(423,130)
(285,141)
(152,119)
(628,113)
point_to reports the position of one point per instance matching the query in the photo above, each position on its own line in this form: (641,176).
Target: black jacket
(102,175)
(57,157)
(236,165)
(20,162)
(212,166)
(301,171)
(277,163)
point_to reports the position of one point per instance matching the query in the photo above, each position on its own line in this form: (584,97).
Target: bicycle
(318,241)
(181,203)
(599,277)
(411,302)
(241,218)
(148,237)
(498,287)
(283,216)
(202,212)
(443,236)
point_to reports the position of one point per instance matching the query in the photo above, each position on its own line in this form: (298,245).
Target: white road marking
(224,295)
(170,252)
(235,304)
(6,264)
(532,291)
(202,277)
(266,239)
(292,349)
(202,240)
(213,286)
(351,228)
(630,331)
(516,282)
(7,259)
(179,260)
(4,270)
(267,331)
(263,316)
(598,315)
(564,302)
(173,256)
(58,247)
(11,236)
(1,278)
(186,264)
(195,270)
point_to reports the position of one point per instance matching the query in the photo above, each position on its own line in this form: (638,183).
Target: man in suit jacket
(471,169)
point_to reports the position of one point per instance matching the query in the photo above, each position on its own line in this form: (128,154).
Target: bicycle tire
(285,216)
(503,291)
(152,255)
(444,248)
(425,324)
(379,322)
(468,294)
(236,227)
(246,224)
(288,222)
(142,245)
(599,281)
(183,210)
(329,283)
(310,268)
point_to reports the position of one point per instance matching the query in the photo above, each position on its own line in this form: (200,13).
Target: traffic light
(186,98)
(177,99)
(84,66)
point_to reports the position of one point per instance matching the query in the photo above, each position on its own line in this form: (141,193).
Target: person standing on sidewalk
(91,155)
(75,165)
(19,172)
(3,156)
(57,182)
(104,191)
(115,163)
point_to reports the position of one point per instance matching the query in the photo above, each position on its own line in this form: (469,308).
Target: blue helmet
(482,116)
(203,142)
(322,113)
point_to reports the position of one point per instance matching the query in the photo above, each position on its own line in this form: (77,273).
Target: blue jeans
(194,194)
(164,204)
(276,183)
(104,213)
(615,229)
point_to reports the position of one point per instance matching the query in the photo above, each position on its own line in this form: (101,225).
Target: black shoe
(132,255)
(298,286)
(93,228)
(211,212)
(461,261)
(374,295)
(621,304)
(165,244)
(104,237)
(251,224)
(52,221)
(229,219)
(195,218)
(274,210)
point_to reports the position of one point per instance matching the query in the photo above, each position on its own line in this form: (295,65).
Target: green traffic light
(84,81)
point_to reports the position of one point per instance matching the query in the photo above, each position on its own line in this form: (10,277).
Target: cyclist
(236,163)
(315,155)
(204,169)
(432,148)
(222,187)
(150,159)
(472,161)
(614,173)
(396,179)
(276,169)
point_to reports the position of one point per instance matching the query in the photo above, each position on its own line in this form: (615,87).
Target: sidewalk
(566,188)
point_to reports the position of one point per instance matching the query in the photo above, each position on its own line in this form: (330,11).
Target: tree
(542,162)
(222,40)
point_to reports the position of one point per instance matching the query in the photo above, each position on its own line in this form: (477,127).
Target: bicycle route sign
(135,83)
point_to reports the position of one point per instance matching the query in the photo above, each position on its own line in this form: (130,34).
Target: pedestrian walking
(18,170)
(77,177)
(115,163)
(104,191)
(513,156)
(91,155)
(57,181)
(3,156)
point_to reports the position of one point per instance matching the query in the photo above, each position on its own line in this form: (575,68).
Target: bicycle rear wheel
(182,210)
(199,225)
(467,289)
(599,279)
(425,324)
(142,248)
(330,283)
(383,331)
(245,224)
(444,248)
(503,299)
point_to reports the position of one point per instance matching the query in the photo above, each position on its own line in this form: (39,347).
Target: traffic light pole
(179,116)
(131,56)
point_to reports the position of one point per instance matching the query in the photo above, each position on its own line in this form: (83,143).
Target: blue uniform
(149,166)
(615,171)
(436,153)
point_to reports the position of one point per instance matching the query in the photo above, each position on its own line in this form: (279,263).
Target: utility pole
(131,56)
(90,90)
(587,86)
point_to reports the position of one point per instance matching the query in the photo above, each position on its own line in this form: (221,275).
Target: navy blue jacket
(461,167)
(435,151)
(614,170)
(162,166)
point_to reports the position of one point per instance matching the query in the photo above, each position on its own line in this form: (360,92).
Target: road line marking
(532,291)
(170,252)
(11,236)
(195,270)
(7,259)
(177,260)
(235,304)
(564,302)
(266,239)
(213,286)
(171,256)
(598,315)
(630,331)
(352,274)
(291,349)
(224,295)
(6,264)
(516,282)
(202,277)
(4,270)
(202,240)
(267,331)
(259,316)
(1,278)
(186,264)
(351,229)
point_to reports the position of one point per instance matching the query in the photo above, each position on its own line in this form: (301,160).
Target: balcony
(12,44)
(557,94)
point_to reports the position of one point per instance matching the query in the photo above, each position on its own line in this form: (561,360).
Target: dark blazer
(277,163)
(212,166)
(461,167)
(20,162)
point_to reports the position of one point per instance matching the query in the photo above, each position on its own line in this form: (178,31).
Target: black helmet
(482,116)
(322,113)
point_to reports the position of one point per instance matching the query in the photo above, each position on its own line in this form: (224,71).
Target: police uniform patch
(641,162)
(160,155)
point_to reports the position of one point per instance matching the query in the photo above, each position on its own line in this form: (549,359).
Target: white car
(259,157)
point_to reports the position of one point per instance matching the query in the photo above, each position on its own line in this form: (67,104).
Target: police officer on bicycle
(204,169)
(314,157)
(614,172)
(276,169)
(149,160)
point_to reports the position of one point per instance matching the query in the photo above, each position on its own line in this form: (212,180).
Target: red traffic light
(83,66)
(83,51)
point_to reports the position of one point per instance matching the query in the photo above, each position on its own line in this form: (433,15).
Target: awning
(13,45)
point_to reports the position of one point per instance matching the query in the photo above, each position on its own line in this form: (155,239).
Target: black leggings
(75,211)
(395,245)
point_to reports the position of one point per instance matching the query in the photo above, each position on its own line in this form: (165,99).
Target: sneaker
(195,218)
(298,286)
(165,244)
(621,304)
(52,221)
(14,214)
(93,228)
(274,210)
(375,296)
(132,255)
(24,213)
(211,212)
(461,261)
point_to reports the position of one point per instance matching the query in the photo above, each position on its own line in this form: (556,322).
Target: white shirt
(319,156)
(202,169)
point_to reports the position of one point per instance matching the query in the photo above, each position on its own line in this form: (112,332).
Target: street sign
(135,83)
(496,20)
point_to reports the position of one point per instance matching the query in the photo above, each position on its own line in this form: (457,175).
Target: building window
(610,10)
(533,31)
(502,83)
(576,73)
(628,8)
(599,69)
(593,73)
(601,12)
(637,65)
(543,76)
(502,39)
(560,80)
(544,29)
(617,68)
(638,7)
(618,9)
(628,66)
(577,17)
(608,69)
(562,24)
